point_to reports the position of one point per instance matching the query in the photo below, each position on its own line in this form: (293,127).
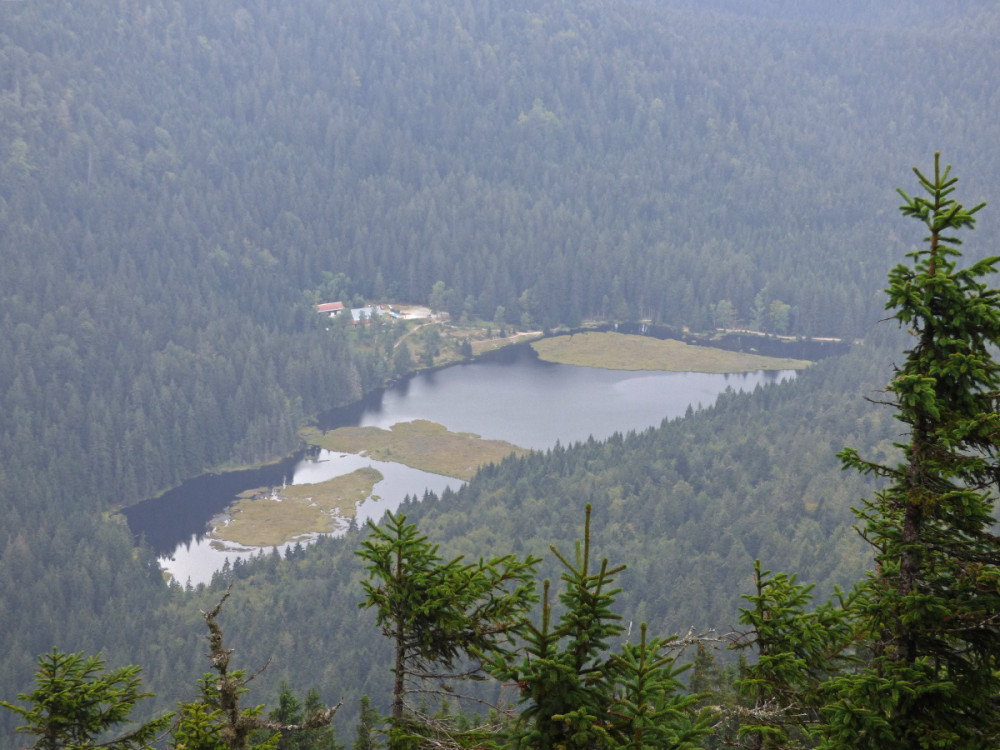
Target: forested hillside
(687,507)
(181,182)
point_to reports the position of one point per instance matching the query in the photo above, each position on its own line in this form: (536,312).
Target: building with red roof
(330,307)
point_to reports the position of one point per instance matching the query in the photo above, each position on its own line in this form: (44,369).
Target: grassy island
(420,444)
(264,517)
(618,351)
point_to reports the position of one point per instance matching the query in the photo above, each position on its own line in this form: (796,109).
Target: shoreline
(519,338)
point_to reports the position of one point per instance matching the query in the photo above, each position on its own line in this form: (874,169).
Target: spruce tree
(929,613)
(564,679)
(651,709)
(578,695)
(219,721)
(797,649)
(76,703)
(438,613)
(367,728)
(292,712)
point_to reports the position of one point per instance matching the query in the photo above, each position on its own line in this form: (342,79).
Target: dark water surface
(511,396)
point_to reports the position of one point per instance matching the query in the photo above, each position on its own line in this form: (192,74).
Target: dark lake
(511,396)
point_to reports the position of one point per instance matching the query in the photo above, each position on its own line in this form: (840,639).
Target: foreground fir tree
(798,648)
(930,612)
(438,614)
(219,721)
(77,704)
(292,712)
(578,695)
(365,733)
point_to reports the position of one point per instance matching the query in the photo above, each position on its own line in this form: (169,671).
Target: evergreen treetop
(438,613)
(929,614)
(76,703)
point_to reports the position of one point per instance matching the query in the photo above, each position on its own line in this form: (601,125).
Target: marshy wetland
(618,351)
(269,516)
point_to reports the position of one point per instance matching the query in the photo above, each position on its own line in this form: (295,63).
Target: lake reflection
(511,396)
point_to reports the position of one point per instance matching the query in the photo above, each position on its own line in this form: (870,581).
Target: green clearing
(261,518)
(617,351)
(420,444)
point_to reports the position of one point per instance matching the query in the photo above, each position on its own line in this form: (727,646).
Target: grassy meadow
(420,444)
(617,351)
(262,519)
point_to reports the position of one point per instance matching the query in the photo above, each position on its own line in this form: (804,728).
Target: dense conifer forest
(180,183)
